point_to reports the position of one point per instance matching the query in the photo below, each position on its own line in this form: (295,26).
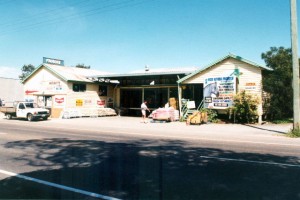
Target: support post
(294,40)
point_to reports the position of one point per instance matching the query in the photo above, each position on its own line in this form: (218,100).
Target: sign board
(208,99)
(250,86)
(53,61)
(218,92)
(191,104)
(88,102)
(101,103)
(79,102)
(59,101)
(54,86)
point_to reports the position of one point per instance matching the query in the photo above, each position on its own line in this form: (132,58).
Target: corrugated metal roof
(150,72)
(230,55)
(69,73)
(74,73)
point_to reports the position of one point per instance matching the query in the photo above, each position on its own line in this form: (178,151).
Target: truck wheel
(8,116)
(30,117)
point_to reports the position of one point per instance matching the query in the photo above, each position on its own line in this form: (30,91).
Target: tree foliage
(83,66)
(26,71)
(278,83)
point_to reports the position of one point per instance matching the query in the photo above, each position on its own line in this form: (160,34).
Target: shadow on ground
(266,129)
(149,170)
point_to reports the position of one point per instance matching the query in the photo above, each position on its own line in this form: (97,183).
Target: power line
(87,13)
(59,19)
(37,15)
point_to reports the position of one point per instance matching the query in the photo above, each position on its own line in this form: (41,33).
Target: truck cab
(31,111)
(28,110)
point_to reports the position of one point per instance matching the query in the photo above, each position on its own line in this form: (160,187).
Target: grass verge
(294,133)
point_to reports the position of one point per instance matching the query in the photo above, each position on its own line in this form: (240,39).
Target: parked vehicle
(27,110)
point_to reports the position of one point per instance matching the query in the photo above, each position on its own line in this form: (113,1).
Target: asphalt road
(119,157)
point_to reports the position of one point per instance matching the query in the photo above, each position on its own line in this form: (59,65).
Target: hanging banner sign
(218,92)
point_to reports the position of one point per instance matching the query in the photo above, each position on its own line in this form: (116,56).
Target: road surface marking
(91,194)
(250,161)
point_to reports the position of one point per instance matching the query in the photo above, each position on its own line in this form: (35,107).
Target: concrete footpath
(129,125)
(135,122)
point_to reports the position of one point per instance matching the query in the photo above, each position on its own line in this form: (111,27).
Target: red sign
(101,102)
(30,91)
(59,100)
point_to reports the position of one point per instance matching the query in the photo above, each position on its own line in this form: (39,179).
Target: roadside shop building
(64,89)
(59,88)
(213,86)
(157,86)
(222,79)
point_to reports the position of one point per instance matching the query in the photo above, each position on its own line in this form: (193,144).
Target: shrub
(244,108)
(211,114)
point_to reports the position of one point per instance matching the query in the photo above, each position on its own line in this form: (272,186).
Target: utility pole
(294,37)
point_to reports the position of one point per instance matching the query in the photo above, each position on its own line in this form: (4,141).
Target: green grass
(294,133)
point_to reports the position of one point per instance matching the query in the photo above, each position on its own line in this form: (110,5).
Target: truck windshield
(31,105)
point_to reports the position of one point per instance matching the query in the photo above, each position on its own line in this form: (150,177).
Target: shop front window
(131,98)
(102,90)
(79,87)
(173,93)
(156,97)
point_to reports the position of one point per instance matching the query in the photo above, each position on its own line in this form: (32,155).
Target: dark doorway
(193,92)
(156,97)
(130,102)
(198,94)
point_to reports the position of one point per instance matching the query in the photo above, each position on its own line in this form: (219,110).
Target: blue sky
(125,35)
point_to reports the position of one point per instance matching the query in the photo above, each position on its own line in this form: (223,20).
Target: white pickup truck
(27,110)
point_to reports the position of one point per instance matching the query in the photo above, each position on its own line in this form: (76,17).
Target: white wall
(44,81)
(249,74)
(250,78)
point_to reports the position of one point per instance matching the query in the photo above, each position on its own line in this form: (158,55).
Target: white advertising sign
(219,92)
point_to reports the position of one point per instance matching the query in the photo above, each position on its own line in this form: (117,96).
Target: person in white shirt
(143,109)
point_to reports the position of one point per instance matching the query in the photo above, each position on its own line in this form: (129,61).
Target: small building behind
(11,89)
(222,79)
